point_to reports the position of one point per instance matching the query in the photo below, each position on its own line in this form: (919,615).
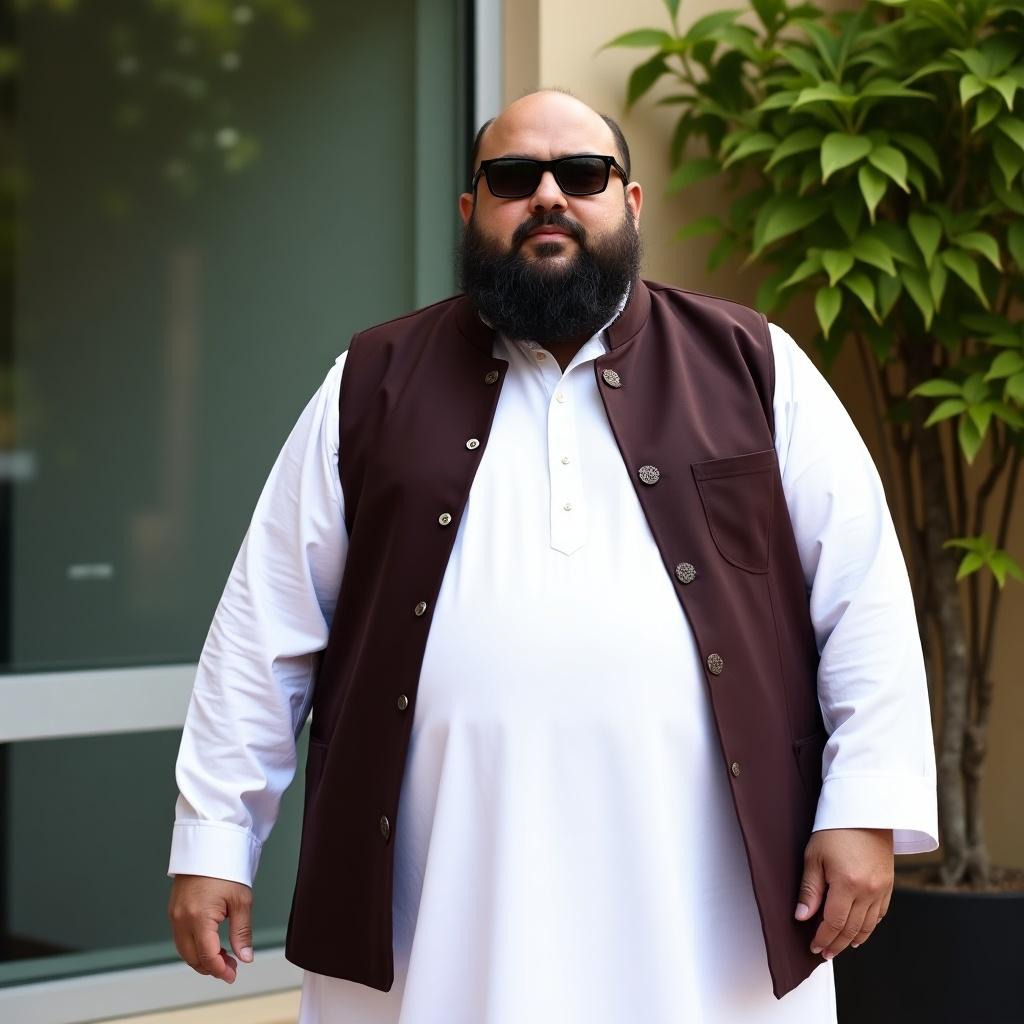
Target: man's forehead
(547,133)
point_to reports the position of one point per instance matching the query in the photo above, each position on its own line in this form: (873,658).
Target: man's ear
(635,198)
(466,203)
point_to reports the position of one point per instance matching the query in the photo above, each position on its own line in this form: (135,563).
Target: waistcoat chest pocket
(736,493)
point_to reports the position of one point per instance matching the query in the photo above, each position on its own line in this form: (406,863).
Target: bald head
(550,113)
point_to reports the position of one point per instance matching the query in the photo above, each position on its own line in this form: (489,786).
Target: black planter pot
(939,958)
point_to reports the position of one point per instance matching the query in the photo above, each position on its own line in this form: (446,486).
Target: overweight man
(591,589)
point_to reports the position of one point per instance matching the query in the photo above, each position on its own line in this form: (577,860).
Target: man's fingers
(850,929)
(838,903)
(240,931)
(871,920)
(212,957)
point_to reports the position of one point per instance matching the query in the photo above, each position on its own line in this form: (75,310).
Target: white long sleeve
(253,685)
(879,763)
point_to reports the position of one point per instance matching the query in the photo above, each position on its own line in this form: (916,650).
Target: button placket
(568,513)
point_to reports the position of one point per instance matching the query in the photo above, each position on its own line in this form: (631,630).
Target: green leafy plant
(873,160)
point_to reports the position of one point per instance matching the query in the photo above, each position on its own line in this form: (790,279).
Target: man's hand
(197,906)
(856,864)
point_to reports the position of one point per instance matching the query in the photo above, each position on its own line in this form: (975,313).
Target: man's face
(546,126)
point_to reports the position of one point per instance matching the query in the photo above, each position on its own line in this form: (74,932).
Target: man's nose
(547,195)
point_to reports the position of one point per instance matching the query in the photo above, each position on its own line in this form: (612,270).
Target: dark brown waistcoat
(690,394)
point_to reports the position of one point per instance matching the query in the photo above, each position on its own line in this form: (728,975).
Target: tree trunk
(952,640)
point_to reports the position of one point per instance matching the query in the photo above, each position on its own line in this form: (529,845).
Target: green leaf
(768,292)
(810,175)
(827,303)
(757,142)
(988,107)
(970,86)
(802,60)
(898,243)
(782,218)
(1012,128)
(967,270)
(643,77)
(768,11)
(690,172)
(975,61)
(810,265)
(778,100)
(978,241)
(1014,388)
(971,562)
(974,389)
(931,68)
(937,283)
(721,251)
(887,88)
(700,226)
(837,262)
(1006,86)
(937,387)
(980,415)
(917,287)
(970,439)
(926,231)
(1009,158)
(1006,364)
(862,286)
(1002,564)
(889,290)
(872,187)
(869,249)
(1011,198)
(799,142)
(1015,243)
(920,148)
(891,161)
(946,410)
(839,150)
(826,92)
(642,37)
(704,27)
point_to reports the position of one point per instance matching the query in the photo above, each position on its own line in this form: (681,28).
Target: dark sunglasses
(516,177)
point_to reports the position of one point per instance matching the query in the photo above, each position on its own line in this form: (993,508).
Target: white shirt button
(565,460)
(541,355)
(567,506)
(560,397)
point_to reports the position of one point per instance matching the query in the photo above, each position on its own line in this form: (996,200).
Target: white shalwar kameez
(567,850)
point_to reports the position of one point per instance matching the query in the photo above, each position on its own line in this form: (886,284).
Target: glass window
(200,202)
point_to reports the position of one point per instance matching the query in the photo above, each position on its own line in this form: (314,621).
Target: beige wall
(556,43)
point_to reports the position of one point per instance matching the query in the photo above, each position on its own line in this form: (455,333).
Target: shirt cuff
(905,803)
(216,849)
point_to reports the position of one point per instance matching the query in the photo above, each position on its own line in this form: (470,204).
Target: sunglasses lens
(513,179)
(582,175)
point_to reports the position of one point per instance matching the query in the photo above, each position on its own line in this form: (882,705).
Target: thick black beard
(542,299)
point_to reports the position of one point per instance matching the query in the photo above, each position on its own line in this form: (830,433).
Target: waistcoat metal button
(491,376)
(444,518)
(685,572)
(420,608)
(472,443)
(385,826)
(649,474)
(715,664)
(403,702)
(611,378)
(735,767)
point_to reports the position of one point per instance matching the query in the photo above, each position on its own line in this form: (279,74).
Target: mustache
(553,219)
